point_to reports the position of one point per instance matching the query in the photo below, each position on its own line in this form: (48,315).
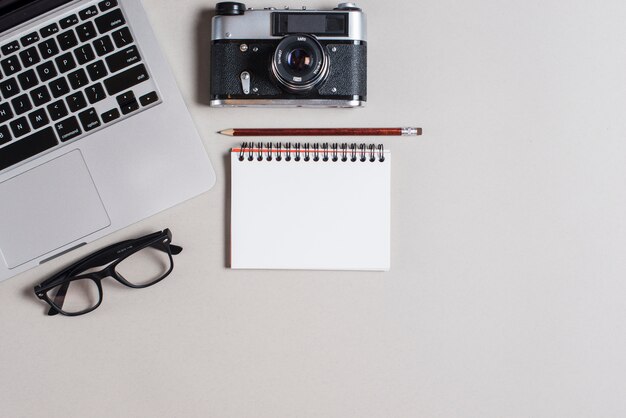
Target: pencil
(323,132)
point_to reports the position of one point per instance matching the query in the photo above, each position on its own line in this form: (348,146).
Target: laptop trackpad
(45,208)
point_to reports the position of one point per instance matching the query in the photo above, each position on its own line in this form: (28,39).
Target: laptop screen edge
(16,12)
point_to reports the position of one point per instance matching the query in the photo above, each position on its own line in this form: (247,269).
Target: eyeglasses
(135,263)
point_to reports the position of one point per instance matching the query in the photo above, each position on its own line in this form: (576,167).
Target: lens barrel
(299,63)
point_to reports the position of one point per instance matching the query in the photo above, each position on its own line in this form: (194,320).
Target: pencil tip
(228,132)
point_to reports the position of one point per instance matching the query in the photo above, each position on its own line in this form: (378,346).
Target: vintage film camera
(288,57)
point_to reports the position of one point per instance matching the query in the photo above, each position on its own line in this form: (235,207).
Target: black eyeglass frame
(110,256)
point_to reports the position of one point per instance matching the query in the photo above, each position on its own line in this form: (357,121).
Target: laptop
(94,133)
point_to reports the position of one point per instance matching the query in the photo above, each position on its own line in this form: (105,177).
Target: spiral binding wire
(333,152)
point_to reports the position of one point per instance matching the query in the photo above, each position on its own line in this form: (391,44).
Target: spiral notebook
(306,206)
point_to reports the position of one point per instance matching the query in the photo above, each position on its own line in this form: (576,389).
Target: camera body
(287,57)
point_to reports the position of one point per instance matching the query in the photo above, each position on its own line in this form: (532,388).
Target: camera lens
(299,63)
(299,60)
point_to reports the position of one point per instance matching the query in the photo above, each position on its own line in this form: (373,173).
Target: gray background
(506,295)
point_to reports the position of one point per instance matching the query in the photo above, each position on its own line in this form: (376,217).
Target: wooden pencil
(322,132)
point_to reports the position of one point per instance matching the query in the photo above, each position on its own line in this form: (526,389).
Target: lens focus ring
(299,63)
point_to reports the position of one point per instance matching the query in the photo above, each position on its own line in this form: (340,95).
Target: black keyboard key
(123,59)
(5,135)
(65,62)
(29,39)
(68,128)
(89,119)
(110,21)
(148,99)
(88,13)
(11,65)
(125,97)
(86,31)
(122,37)
(110,115)
(128,102)
(57,110)
(126,79)
(95,93)
(30,57)
(47,71)
(130,107)
(19,127)
(66,22)
(67,40)
(27,79)
(49,30)
(5,112)
(76,101)
(38,118)
(107,4)
(97,70)
(9,88)
(10,48)
(59,87)
(103,45)
(84,54)
(48,48)
(40,96)
(21,104)
(78,78)
(27,147)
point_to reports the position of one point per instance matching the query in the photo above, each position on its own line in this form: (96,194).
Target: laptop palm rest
(38,216)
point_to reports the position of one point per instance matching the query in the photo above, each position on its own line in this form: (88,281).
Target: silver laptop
(94,134)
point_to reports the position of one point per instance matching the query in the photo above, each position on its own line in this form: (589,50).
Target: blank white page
(315,215)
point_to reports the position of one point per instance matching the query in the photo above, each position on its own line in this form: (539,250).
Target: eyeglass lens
(76,296)
(144,267)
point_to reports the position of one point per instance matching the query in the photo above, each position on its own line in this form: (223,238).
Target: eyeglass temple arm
(109,254)
(94,260)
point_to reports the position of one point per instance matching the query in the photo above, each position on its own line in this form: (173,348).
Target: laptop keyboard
(68,79)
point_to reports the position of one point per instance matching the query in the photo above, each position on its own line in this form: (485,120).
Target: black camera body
(288,57)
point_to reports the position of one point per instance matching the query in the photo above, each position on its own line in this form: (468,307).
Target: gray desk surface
(506,295)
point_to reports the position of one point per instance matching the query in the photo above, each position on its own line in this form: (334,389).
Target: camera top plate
(232,22)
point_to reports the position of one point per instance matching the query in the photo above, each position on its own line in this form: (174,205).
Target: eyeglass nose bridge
(109,271)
